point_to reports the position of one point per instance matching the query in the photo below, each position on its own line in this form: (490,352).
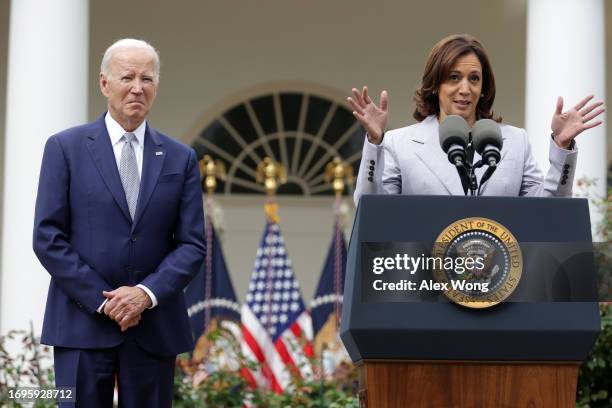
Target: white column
(46,92)
(566,57)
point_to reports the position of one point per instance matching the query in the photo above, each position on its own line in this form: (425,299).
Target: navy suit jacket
(85,238)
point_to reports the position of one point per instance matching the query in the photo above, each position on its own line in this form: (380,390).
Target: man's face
(130,86)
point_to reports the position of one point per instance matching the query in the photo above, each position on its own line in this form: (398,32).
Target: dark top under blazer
(85,238)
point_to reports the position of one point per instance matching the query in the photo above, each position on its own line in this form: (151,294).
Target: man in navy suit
(118,226)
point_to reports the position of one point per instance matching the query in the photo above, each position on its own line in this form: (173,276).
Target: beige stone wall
(215,48)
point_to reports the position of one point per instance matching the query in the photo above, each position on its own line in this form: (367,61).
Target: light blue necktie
(128,171)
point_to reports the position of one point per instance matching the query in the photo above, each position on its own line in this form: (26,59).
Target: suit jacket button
(567,166)
(372,162)
(564,182)
(566,171)
(371,167)
(370,179)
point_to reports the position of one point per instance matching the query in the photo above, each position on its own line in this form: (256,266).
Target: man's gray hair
(127,43)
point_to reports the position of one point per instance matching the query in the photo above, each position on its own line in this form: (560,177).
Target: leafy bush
(225,386)
(595,378)
(30,367)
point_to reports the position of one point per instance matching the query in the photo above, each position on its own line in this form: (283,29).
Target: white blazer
(411,161)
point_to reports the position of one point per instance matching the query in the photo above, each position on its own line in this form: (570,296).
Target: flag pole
(271,174)
(210,170)
(277,329)
(336,172)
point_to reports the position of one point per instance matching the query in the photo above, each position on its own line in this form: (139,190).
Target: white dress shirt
(116,132)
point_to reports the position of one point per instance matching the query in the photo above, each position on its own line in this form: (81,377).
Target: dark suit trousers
(144,379)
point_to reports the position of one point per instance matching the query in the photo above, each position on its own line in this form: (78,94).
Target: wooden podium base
(445,384)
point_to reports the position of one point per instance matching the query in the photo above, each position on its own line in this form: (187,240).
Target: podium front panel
(540,329)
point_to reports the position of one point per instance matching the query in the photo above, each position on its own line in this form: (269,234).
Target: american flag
(276,327)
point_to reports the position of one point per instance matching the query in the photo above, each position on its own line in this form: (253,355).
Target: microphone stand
(466,171)
(487,175)
(465,175)
(472,177)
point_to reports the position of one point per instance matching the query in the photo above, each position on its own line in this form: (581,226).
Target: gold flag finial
(337,171)
(271,211)
(211,170)
(271,174)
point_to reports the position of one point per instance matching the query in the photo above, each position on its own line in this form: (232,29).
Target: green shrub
(595,378)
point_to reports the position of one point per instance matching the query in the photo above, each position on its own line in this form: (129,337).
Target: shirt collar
(115,131)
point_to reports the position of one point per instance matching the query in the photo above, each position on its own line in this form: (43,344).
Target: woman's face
(460,91)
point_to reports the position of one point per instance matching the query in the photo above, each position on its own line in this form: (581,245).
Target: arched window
(298,127)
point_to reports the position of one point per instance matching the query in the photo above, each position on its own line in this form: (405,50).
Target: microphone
(487,140)
(454,138)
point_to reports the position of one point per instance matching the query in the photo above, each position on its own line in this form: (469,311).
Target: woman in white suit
(458,80)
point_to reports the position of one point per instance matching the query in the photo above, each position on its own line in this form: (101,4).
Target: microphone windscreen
(454,130)
(486,132)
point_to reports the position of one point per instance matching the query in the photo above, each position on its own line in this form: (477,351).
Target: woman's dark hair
(441,60)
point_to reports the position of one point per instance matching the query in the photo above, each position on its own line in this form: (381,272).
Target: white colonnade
(46,92)
(566,57)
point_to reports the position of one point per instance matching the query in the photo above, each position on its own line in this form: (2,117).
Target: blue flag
(328,297)
(210,295)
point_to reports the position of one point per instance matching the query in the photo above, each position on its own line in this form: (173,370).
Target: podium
(420,348)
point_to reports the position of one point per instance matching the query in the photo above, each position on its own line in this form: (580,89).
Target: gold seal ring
(494,251)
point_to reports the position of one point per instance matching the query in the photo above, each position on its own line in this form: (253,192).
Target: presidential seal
(480,262)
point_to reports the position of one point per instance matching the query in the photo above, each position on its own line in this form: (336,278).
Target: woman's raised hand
(567,125)
(372,117)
